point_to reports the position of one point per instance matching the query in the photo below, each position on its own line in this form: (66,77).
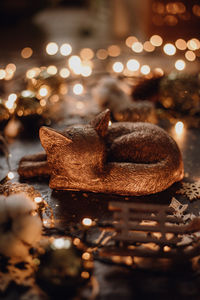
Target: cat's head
(77,148)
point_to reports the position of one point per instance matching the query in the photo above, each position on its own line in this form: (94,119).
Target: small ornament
(191,190)
(20,226)
(64,268)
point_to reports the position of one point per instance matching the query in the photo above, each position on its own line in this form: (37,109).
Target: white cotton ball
(3,212)
(19,204)
(19,229)
(11,246)
(28,229)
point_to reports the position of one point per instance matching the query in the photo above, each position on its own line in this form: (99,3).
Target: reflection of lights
(109,123)
(61,243)
(52,70)
(10,175)
(148,46)
(190,55)
(43,91)
(65,49)
(2,74)
(145,69)
(87,222)
(114,50)
(180,64)
(130,40)
(38,199)
(169,49)
(78,89)
(137,47)
(26,52)
(179,127)
(86,53)
(102,54)
(86,71)
(11,100)
(52,48)
(133,65)
(181,44)
(118,67)
(156,40)
(64,73)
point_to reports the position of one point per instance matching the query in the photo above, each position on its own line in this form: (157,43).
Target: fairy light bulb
(137,47)
(65,49)
(78,89)
(145,70)
(52,48)
(10,175)
(87,222)
(118,67)
(179,126)
(156,40)
(133,65)
(169,49)
(180,65)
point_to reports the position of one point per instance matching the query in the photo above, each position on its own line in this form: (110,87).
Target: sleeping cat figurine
(124,158)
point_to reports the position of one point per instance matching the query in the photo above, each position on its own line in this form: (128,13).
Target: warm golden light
(130,40)
(118,67)
(145,70)
(52,70)
(33,73)
(10,175)
(102,54)
(85,275)
(181,44)
(137,47)
(87,222)
(65,49)
(180,64)
(78,89)
(86,256)
(191,44)
(64,73)
(86,71)
(86,53)
(179,127)
(38,199)
(169,49)
(75,64)
(133,65)
(11,67)
(43,91)
(61,243)
(11,101)
(190,55)
(26,52)
(52,48)
(114,50)
(156,40)
(148,46)
(2,74)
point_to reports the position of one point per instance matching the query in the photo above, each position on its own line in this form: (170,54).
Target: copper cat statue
(123,158)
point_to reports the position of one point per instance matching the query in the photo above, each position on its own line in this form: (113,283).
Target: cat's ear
(50,137)
(100,122)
